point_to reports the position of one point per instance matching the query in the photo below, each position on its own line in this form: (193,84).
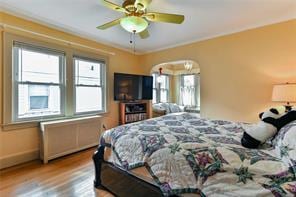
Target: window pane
(163,96)
(198,90)
(188,96)
(87,73)
(164,81)
(38,66)
(188,93)
(189,80)
(88,99)
(154,80)
(38,96)
(154,100)
(38,100)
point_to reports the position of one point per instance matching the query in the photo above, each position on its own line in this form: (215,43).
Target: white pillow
(157,107)
(166,106)
(174,108)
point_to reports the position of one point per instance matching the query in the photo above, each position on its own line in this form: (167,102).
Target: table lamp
(285,93)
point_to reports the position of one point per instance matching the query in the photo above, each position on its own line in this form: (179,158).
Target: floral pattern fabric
(187,154)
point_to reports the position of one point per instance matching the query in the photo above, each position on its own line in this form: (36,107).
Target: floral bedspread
(186,154)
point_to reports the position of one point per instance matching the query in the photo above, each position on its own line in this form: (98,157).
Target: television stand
(134,111)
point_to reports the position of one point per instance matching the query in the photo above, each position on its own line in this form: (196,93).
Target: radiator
(62,137)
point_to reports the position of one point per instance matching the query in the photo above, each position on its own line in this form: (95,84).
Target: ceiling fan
(136,19)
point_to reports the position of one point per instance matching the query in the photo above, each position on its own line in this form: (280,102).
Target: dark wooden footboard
(120,182)
(98,159)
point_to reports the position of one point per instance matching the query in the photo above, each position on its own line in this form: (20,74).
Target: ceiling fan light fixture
(188,66)
(136,18)
(134,24)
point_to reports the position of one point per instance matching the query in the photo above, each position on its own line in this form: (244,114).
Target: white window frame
(158,87)
(103,84)
(16,82)
(196,86)
(9,122)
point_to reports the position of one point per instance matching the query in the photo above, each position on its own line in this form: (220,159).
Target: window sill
(36,123)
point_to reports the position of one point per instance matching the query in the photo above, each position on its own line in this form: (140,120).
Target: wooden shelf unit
(130,112)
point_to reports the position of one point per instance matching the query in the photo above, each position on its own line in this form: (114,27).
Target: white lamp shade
(134,24)
(284,93)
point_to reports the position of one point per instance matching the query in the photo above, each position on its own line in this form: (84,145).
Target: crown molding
(218,35)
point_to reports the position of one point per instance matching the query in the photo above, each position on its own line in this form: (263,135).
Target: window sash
(154,100)
(17,46)
(103,101)
(166,82)
(16,117)
(90,111)
(167,95)
(183,80)
(89,60)
(195,86)
(102,84)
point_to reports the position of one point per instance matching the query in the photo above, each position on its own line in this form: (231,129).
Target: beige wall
(238,70)
(25,141)
(175,88)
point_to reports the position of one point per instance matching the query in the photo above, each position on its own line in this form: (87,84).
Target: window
(42,83)
(189,91)
(160,88)
(89,87)
(38,97)
(38,82)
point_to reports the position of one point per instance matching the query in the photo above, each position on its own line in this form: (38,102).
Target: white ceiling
(203,19)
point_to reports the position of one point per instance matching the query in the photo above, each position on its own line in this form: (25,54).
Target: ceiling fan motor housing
(129,5)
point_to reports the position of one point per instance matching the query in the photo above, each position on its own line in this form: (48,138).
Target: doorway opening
(176,86)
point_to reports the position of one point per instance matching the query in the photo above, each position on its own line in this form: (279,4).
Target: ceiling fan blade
(142,4)
(163,17)
(110,24)
(114,6)
(144,34)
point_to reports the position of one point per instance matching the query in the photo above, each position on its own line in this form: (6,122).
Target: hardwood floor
(72,175)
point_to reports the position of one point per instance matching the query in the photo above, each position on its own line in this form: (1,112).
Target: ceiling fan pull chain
(131,41)
(134,41)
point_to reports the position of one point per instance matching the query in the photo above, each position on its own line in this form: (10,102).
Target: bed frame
(120,182)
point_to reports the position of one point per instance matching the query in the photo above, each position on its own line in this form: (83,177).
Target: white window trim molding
(61,84)
(8,83)
(81,56)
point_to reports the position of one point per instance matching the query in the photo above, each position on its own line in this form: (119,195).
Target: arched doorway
(177,82)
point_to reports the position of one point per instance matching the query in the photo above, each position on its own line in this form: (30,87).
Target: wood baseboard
(18,158)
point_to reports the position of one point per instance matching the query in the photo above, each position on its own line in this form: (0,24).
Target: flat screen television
(129,87)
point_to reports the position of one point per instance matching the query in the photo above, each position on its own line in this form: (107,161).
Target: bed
(182,154)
